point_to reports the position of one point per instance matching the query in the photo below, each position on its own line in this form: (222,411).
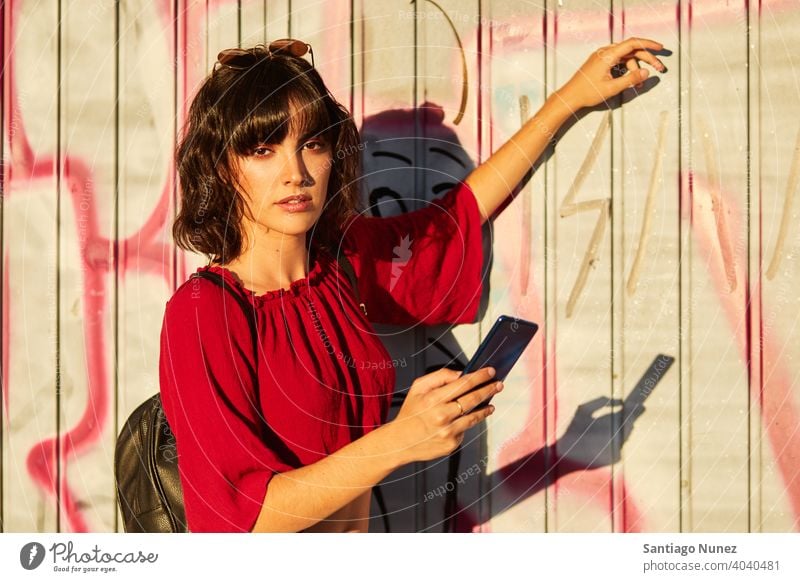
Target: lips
(295,198)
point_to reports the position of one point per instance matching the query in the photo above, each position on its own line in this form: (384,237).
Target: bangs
(265,105)
(234,111)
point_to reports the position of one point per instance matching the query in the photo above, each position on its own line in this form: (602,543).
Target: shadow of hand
(596,441)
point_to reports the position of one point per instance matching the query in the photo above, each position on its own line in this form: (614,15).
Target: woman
(293,435)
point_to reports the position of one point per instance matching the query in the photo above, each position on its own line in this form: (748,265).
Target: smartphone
(501,348)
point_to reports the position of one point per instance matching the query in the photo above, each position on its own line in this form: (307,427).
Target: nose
(295,170)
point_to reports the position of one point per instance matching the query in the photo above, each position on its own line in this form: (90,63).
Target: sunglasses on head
(240,59)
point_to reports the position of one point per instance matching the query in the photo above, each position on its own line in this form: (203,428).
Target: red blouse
(322,378)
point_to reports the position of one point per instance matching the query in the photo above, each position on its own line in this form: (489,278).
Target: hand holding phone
(501,348)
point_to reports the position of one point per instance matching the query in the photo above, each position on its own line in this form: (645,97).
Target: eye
(317,145)
(260,151)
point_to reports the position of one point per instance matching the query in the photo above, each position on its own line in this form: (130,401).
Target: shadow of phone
(633,405)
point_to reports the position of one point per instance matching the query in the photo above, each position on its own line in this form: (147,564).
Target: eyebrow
(301,139)
(312,134)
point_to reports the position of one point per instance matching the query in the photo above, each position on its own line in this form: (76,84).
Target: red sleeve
(209,390)
(421,266)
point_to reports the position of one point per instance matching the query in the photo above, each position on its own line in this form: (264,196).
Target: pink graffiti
(594,26)
(143,251)
(98,256)
(772,394)
(525,462)
(521,460)
(773,391)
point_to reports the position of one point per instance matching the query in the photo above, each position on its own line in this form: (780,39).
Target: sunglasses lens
(295,48)
(237,58)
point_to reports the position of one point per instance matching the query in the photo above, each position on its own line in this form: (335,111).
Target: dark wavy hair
(233,112)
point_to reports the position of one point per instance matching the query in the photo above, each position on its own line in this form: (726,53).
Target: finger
(594,405)
(436,379)
(466,403)
(466,383)
(633,69)
(469,420)
(630,45)
(628,81)
(476,397)
(648,58)
(632,64)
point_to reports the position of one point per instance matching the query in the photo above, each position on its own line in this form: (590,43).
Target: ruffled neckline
(315,273)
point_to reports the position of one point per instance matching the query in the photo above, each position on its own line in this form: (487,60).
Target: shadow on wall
(589,442)
(403,171)
(404,168)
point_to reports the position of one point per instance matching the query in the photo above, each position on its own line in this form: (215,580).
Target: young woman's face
(299,166)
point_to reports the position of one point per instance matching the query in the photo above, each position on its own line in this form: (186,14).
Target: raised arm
(592,84)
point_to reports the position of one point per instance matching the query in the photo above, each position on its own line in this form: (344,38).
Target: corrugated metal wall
(657,245)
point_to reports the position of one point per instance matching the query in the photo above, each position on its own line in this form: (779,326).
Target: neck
(271,262)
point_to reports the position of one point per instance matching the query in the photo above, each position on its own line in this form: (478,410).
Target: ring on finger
(460,408)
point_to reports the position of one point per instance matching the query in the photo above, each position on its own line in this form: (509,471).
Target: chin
(293,225)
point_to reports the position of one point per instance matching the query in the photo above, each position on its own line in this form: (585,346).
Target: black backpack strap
(347,267)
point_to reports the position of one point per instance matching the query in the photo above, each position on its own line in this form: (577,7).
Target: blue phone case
(501,348)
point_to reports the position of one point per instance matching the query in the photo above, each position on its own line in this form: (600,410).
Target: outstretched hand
(594,83)
(596,441)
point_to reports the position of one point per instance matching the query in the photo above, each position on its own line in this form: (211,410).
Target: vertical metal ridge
(612,264)
(115,239)
(484,488)
(58,172)
(3,346)
(420,482)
